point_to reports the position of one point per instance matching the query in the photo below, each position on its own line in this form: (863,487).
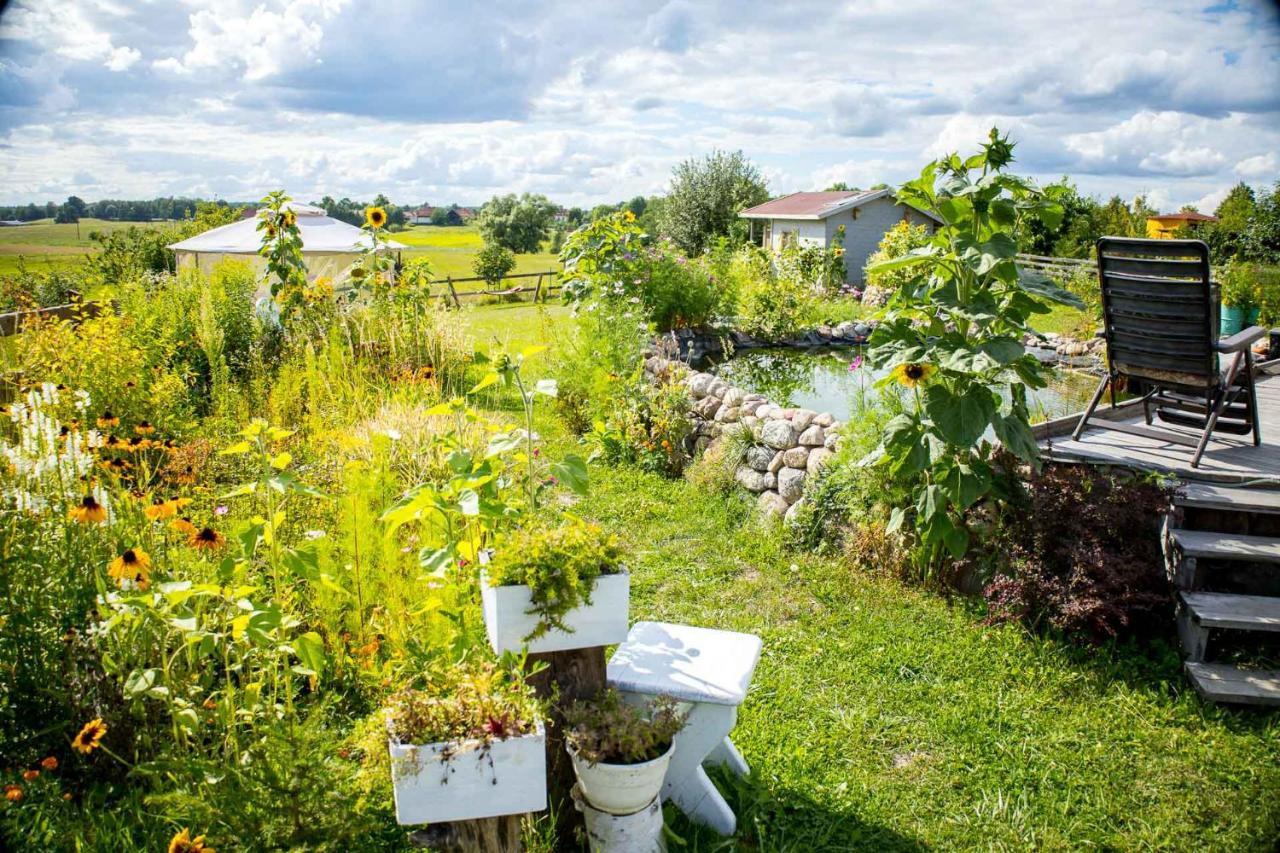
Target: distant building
(422,216)
(561,216)
(814,218)
(465,214)
(1165,225)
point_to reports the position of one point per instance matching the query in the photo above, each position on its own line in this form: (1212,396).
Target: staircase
(1224,558)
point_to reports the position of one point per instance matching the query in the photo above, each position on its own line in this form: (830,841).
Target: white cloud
(1263,166)
(121,58)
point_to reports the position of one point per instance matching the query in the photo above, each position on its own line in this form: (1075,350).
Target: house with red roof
(814,219)
(1167,225)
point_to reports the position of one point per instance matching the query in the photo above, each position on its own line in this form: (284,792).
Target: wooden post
(537,289)
(486,835)
(457,303)
(569,676)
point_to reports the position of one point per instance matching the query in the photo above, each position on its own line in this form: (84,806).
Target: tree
(707,195)
(1226,236)
(840,186)
(493,262)
(1262,237)
(637,205)
(440,216)
(520,224)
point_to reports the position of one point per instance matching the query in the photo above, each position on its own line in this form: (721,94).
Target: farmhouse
(814,218)
(422,216)
(1166,225)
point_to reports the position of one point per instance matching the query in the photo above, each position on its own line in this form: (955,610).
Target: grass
(1065,320)
(452,248)
(885,717)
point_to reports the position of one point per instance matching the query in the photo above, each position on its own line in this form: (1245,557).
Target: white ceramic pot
(603,622)
(621,789)
(441,782)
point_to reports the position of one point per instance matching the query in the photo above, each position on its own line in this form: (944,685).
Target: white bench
(711,671)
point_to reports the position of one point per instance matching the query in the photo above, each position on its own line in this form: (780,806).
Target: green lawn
(452,248)
(884,717)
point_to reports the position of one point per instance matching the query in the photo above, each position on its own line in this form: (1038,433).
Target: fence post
(457,303)
(537,289)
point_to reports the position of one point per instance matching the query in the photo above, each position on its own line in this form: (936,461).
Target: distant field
(44,245)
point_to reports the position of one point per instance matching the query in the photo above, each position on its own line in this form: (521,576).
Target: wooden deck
(1229,458)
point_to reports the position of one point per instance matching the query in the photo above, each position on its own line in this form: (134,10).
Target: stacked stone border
(789,446)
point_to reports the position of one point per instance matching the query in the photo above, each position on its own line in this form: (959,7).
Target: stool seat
(688,663)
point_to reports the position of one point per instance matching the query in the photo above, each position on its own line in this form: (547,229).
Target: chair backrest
(1160,310)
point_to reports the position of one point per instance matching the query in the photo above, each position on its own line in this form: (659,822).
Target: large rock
(707,407)
(770,480)
(814,436)
(818,458)
(833,438)
(759,458)
(779,435)
(793,511)
(771,504)
(778,460)
(796,457)
(728,414)
(845,329)
(718,387)
(791,484)
(768,410)
(802,418)
(824,420)
(750,479)
(734,397)
(749,422)
(750,407)
(698,384)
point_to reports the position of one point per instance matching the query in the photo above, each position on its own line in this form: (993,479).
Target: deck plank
(1242,612)
(1225,683)
(1203,544)
(1231,499)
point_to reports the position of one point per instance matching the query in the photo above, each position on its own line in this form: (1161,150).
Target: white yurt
(329,246)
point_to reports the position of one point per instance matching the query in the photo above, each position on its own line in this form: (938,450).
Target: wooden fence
(12,322)
(545,285)
(1056,267)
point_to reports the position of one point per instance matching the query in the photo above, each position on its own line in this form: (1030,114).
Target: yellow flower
(182,842)
(13,793)
(133,565)
(912,374)
(375,217)
(88,511)
(160,509)
(184,526)
(107,420)
(289,219)
(207,539)
(144,428)
(629,216)
(90,737)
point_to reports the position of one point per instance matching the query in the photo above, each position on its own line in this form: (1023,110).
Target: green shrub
(607,729)
(492,263)
(560,567)
(1240,286)
(897,241)
(649,426)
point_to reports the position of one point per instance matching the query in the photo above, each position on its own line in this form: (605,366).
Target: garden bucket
(1235,319)
(638,832)
(621,788)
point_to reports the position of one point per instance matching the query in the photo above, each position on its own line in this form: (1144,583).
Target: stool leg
(727,754)
(687,784)
(698,798)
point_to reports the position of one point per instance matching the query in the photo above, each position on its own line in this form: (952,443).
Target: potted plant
(1241,299)
(620,750)
(468,744)
(556,589)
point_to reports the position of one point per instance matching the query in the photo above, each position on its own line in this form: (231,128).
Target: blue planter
(1235,319)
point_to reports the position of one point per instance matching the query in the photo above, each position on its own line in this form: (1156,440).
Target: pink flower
(221,510)
(856,364)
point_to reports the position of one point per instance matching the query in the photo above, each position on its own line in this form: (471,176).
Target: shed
(1166,225)
(814,218)
(329,246)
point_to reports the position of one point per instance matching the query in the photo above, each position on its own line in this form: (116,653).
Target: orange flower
(90,737)
(182,842)
(49,763)
(107,420)
(184,526)
(207,539)
(13,793)
(30,775)
(88,511)
(134,566)
(144,428)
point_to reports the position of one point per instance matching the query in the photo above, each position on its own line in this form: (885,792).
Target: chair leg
(1218,406)
(1253,398)
(1093,404)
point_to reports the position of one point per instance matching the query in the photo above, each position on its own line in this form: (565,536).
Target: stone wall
(789,446)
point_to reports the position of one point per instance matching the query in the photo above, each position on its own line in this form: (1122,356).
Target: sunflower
(13,793)
(289,219)
(375,217)
(184,526)
(144,428)
(912,374)
(90,737)
(206,539)
(182,842)
(134,565)
(107,420)
(49,763)
(629,216)
(88,511)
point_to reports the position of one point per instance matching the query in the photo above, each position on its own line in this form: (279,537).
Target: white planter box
(601,623)
(442,782)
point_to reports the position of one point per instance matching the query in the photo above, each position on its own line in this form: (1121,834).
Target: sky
(443,102)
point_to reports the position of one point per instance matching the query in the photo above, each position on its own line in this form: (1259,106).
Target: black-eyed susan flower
(912,374)
(143,428)
(182,842)
(375,217)
(133,566)
(160,509)
(107,420)
(88,511)
(90,737)
(184,526)
(206,539)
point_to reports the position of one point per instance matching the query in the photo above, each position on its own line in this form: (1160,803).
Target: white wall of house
(809,232)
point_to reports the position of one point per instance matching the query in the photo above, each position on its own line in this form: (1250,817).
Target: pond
(820,379)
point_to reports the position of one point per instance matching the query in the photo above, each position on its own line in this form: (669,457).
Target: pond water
(821,380)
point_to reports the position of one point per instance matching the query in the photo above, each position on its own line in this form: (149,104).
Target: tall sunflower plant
(952,338)
(374,273)
(281,246)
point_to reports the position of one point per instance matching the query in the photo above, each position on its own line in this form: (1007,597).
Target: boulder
(791,484)
(776,463)
(718,387)
(768,410)
(707,407)
(796,457)
(771,504)
(734,397)
(728,414)
(824,419)
(750,407)
(814,436)
(750,479)
(818,458)
(862,330)
(758,458)
(698,384)
(701,444)
(770,481)
(845,329)
(833,438)
(802,418)
(749,422)
(779,435)
(793,511)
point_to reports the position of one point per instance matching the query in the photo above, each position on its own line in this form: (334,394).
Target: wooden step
(1242,612)
(1220,682)
(1203,544)
(1229,498)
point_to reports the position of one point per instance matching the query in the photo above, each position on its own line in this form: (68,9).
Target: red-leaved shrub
(1083,555)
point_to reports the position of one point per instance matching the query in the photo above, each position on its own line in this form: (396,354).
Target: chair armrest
(1242,340)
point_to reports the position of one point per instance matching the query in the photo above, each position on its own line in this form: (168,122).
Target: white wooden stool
(711,671)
